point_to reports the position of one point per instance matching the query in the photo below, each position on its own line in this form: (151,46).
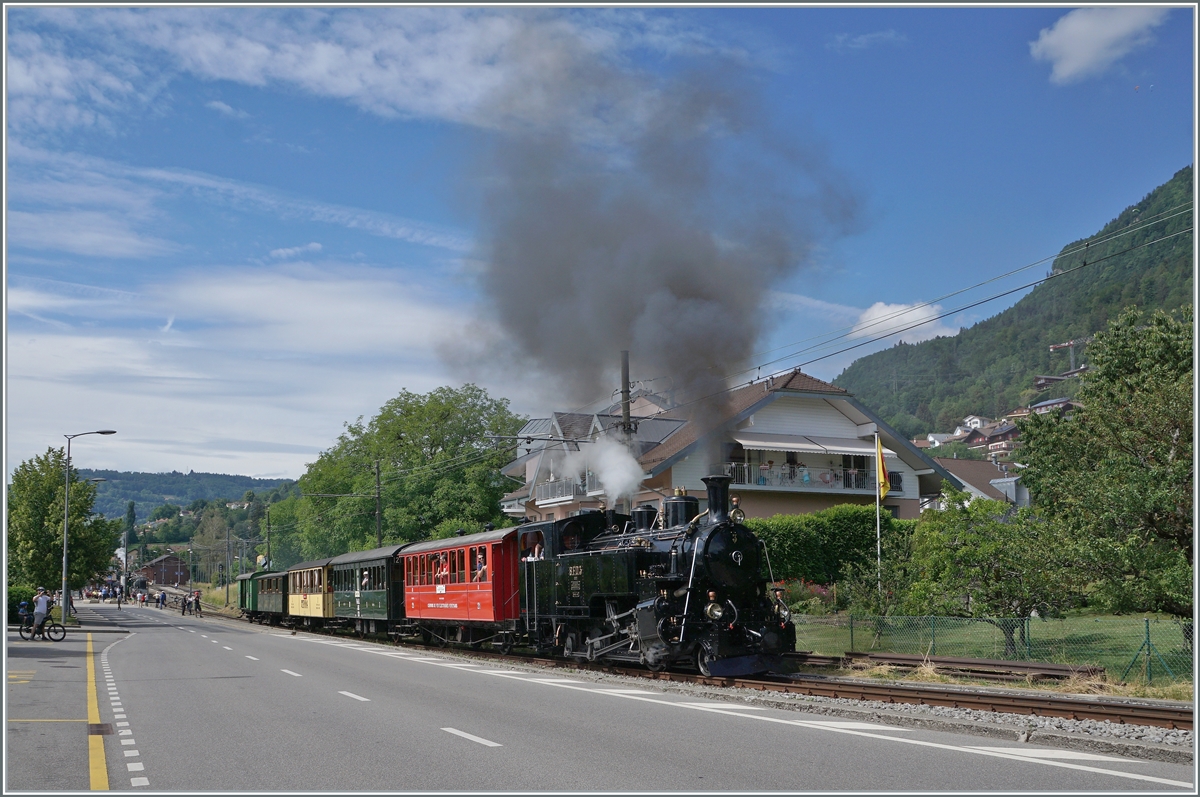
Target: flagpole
(878,543)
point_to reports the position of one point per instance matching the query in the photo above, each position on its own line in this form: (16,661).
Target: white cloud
(106,186)
(1087,41)
(882,319)
(82,232)
(293,349)
(226,110)
(843,42)
(287,254)
(838,313)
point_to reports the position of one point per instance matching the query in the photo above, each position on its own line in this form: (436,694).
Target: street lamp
(66,596)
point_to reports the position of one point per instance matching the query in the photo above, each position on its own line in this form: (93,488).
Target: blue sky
(229,231)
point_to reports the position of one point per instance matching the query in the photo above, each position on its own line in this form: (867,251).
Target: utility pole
(228,562)
(268,537)
(378,511)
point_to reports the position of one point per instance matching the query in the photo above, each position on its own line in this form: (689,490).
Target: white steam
(615,467)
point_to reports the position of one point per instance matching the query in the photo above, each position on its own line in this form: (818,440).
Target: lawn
(1109,641)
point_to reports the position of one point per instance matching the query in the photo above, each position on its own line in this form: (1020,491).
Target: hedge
(818,547)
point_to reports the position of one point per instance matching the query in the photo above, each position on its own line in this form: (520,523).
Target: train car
(463,589)
(247,589)
(310,593)
(368,588)
(272,597)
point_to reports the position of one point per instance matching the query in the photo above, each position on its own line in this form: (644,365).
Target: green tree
(1118,472)
(164,512)
(988,559)
(35,525)
(439,470)
(131,516)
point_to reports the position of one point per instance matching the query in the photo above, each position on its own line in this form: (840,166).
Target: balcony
(558,490)
(793,478)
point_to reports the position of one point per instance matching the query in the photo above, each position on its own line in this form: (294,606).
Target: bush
(16,594)
(823,546)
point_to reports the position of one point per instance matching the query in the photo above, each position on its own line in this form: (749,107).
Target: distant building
(166,569)
(984,479)
(1063,406)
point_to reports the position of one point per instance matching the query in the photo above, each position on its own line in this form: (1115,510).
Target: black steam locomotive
(660,588)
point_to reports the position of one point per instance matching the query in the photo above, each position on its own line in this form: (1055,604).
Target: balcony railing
(797,478)
(557,490)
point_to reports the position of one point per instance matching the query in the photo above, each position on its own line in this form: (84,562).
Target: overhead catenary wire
(892,332)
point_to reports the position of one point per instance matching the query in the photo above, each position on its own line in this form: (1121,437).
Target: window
(479,571)
(896,481)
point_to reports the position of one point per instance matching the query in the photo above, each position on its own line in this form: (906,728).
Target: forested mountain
(989,369)
(151,490)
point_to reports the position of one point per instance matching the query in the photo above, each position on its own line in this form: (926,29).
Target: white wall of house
(798,415)
(689,472)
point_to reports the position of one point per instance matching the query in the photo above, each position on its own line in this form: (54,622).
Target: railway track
(1121,711)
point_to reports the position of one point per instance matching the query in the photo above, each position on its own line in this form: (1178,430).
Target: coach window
(462,564)
(479,556)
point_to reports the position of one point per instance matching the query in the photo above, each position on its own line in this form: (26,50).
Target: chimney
(718,497)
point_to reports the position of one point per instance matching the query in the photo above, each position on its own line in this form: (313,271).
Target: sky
(230,231)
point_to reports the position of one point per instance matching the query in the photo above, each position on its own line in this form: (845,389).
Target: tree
(35,525)
(439,470)
(131,516)
(988,559)
(1117,473)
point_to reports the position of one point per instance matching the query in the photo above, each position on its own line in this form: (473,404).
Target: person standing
(41,610)
(199,611)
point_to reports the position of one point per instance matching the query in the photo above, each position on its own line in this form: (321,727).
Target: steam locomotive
(660,587)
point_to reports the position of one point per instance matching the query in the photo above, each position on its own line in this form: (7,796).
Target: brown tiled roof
(976,472)
(733,404)
(798,380)
(520,492)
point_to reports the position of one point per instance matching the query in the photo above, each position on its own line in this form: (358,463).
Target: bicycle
(53,631)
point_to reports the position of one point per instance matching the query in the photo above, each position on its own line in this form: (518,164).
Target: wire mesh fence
(1128,648)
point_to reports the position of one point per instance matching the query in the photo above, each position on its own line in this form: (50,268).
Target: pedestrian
(199,611)
(183,605)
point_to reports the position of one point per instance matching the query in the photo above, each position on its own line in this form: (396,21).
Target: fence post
(852,631)
(933,633)
(1149,661)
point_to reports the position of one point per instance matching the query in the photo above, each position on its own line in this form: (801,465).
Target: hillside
(989,369)
(151,490)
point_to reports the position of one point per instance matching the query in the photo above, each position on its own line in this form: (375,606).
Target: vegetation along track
(1121,711)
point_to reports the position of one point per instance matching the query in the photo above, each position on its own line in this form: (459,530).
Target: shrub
(16,594)
(823,546)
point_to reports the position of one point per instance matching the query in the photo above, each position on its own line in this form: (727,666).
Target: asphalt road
(214,705)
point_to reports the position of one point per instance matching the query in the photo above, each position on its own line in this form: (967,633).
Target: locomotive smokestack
(718,497)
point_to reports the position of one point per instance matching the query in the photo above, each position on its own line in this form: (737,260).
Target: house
(985,479)
(975,422)
(1063,406)
(792,444)
(166,569)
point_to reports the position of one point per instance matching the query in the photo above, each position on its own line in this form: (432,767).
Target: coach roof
(386,552)
(458,542)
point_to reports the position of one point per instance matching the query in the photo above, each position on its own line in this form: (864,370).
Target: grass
(1108,641)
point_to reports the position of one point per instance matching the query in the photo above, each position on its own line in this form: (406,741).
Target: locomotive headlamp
(714,611)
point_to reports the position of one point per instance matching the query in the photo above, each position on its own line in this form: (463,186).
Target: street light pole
(66,596)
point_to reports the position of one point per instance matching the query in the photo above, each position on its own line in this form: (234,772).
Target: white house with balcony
(793,444)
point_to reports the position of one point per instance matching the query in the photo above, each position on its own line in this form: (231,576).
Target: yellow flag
(881,477)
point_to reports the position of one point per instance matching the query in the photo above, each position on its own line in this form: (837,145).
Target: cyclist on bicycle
(41,610)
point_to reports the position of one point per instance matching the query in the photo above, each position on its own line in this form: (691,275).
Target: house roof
(978,473)
(162,558)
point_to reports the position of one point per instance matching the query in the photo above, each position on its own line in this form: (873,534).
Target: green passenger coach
(271,588)
(368,588)
(247,589)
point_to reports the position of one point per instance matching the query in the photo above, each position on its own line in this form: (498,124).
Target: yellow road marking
(97,765)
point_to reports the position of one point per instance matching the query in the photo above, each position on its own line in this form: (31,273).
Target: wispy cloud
(847,42)
(1088,41)
(226,110)
(82,232)
(287,254)
(138,193)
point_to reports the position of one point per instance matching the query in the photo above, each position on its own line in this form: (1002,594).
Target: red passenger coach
(463,583)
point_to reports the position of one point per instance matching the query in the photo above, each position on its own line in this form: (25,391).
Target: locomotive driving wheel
(704,656)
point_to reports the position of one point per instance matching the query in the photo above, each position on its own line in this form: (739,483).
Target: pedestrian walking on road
(199,611)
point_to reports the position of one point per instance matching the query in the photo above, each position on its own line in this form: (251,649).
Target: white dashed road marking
(289,672)
(356,697)
(475,739)
(252,658)
(224,646)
